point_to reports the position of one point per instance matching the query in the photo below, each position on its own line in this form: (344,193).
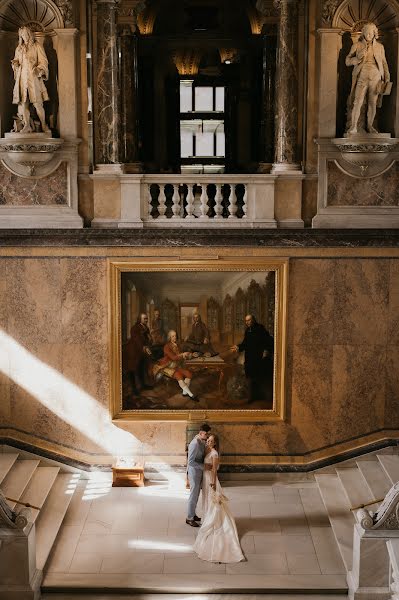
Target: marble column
(269,41)
(129,100)
(108,134)
(65,45)
(286,122)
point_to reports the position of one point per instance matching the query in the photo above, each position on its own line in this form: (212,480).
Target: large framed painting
(198,339)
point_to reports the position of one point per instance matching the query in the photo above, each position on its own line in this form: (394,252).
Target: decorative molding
(40,15)
(386,517)
(10,519)
(329,8)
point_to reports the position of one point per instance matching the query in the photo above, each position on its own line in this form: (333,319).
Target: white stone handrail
(387,515)
(220,200)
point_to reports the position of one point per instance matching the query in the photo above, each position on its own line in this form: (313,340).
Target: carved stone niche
(350,165)
(38,171)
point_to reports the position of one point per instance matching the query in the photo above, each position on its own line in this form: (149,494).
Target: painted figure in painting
(157,334)
(370,76)
(257,346)
(172,365)
(199,340)
(30,66)
(139,355)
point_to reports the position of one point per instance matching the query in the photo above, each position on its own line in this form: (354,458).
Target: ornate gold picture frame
(182,339)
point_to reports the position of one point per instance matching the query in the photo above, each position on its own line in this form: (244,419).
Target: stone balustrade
(232,201)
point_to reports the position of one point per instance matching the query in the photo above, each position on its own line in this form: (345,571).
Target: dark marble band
(188,238)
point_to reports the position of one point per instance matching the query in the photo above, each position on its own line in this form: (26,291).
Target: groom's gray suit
(195,463)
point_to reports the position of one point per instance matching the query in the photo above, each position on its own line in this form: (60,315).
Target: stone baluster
(162,202)
(286,123)
(176,202)
(233,203)
(149,202)
(108,134)
(204,200)
(218,202)
(190,202)
(129,100)
(245,202)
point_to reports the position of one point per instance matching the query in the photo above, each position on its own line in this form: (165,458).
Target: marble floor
(137,538)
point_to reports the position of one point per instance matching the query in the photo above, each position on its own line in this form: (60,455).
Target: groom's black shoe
(198,519)
(192,522)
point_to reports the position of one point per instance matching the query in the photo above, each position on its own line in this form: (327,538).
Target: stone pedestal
(19,577)
(38,176)
(370,574)
(358,182)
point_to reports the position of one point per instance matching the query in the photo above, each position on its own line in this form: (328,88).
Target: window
(202,135)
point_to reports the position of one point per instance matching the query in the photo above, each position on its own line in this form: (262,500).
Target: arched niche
(52,22)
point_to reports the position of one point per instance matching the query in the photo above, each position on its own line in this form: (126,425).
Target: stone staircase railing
(28,534)
(368,540)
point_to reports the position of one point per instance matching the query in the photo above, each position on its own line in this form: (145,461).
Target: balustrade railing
(230,200)
(191,200)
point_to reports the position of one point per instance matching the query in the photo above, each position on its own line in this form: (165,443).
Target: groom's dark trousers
(195,468)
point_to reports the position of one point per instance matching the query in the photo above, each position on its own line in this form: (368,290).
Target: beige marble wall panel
(48,191)
(358,390)
(288,199)
(312,393)
(344,190)
(342,367)
(86,208)
(393,312)
(33,292)
(392,386)
(361,295)
(309,200)
(107,198)
(311,302)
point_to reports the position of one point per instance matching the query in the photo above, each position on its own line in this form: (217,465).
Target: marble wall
(48,191)
(344,190)
(342,376)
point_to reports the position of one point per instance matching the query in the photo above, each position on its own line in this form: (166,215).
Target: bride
(217,540)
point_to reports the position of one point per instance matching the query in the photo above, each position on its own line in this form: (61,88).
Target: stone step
(199,583)
(390,464)
(375,477)
(14,484)
(354,486)
(144,596)
(39,487)
(6,462)
(341,519)
(51,516)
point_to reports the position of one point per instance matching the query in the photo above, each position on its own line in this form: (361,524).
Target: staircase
(353,483)
(30,480)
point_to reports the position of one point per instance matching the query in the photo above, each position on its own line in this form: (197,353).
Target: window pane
(220,143)
(204,144)
(203,98)
(186,96)
(220,99)
(186,143)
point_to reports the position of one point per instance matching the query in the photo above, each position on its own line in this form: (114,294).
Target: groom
(195,468)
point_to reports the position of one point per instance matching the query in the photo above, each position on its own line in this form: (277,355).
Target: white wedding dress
(217,539)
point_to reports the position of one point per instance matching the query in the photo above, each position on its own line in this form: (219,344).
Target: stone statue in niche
(370,77)
(30,66)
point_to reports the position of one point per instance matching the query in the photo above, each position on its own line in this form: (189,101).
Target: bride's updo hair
(216,442)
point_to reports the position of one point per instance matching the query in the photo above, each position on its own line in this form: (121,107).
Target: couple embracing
(217,539)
